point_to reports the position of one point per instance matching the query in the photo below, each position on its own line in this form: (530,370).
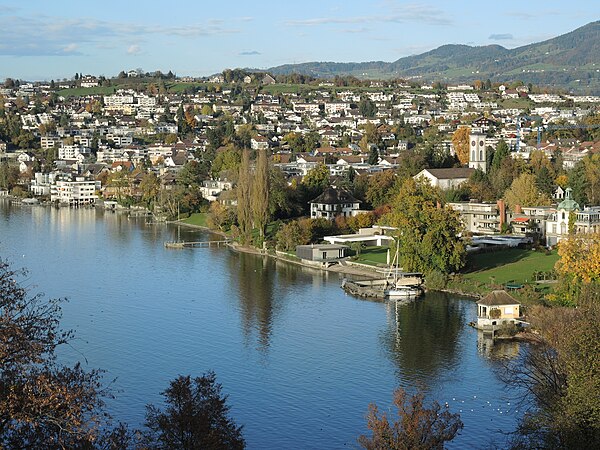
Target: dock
(196,244)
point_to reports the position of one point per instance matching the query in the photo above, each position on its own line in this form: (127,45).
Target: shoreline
(363,272)
(234,246)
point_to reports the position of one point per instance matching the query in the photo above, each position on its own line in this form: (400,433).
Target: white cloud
(134,49)
(70,48)
(42,35)
(394,13)
(501,37)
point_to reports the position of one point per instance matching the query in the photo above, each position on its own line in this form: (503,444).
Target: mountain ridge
(567,61)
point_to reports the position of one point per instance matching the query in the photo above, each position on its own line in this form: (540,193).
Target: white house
(334,202)
(75,193)
(446,178)
(41,183)
(259,143)
(211,189)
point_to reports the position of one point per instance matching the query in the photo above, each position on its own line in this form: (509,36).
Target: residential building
(75,193)
(334,202)
(481,217)
(211,189)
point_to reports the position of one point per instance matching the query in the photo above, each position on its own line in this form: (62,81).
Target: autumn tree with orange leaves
(43,404)
(578,266)
(460,142)
(416,428)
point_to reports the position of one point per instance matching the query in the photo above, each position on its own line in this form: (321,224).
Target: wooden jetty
(196,244)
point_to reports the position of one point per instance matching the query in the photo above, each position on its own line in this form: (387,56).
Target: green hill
(570,61)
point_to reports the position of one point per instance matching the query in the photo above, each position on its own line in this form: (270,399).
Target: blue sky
(40,39)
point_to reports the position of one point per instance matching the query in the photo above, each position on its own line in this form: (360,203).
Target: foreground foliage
(561,371)
(195,417)
(43,404)
(417,427)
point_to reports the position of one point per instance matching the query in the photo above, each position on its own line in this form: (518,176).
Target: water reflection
(424,337)
(255,277)
(496,349)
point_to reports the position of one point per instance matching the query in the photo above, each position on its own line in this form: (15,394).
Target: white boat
(402,292)
(399,284)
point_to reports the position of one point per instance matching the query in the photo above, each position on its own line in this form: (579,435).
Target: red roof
(521,219)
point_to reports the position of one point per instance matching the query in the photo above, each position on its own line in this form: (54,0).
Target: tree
(580,257)
(367,107)
(502,177)
(380,187)
(371,136)
(577,268)
(460,142)
(373,156)
(260,194)
(561,373)
(220,217)
(524,192)
(244,190)
(149,187)
(290,235)
(9,175)
(417,427)
(191,174)
(428,232)
(228,159)
(43,404)
(544,181)
(195,417)
(317,179)
(500,154)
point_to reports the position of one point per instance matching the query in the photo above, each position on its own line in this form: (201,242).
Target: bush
(436,280)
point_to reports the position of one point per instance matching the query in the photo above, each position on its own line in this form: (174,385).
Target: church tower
(477,152)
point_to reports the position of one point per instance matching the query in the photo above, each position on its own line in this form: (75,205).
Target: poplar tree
(244,212)
(260,193)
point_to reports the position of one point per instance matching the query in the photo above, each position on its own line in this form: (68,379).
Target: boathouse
(321,253)
(497,308)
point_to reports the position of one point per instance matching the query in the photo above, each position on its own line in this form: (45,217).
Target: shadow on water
(423,339)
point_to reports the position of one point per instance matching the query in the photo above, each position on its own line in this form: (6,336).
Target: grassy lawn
(373,256)
(508,266)
(198,219)
(78,92)
(279,88)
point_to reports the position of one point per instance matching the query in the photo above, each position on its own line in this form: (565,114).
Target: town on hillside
(507,157)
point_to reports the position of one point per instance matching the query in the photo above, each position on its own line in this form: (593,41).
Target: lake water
(300,359)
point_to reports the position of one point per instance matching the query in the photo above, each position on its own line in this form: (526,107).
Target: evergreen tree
(373,156)
(502,152)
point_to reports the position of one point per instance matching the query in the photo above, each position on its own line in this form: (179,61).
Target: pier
(196,244)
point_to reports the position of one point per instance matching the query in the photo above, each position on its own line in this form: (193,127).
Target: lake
(300,359)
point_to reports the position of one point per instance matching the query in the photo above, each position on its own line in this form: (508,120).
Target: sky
(43,40)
